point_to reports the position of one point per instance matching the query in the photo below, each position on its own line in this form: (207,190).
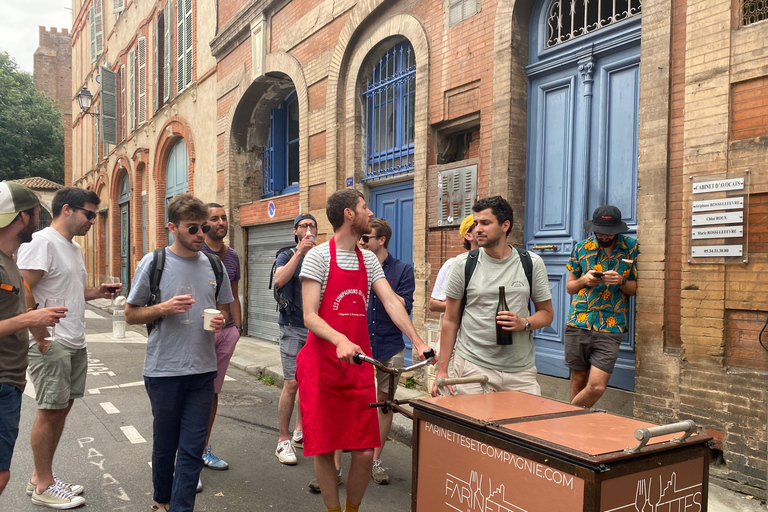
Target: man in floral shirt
(603,275)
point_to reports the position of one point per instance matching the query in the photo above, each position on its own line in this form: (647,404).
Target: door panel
(395,204)
(125,248)
(582,153)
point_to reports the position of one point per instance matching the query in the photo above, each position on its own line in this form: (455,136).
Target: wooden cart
(515,452)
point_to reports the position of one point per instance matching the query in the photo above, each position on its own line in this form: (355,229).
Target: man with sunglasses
(293,334)
(52,265)
(180,366)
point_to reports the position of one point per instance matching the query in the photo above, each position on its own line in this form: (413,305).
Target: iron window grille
(569,19)
(390,100)
(753,11)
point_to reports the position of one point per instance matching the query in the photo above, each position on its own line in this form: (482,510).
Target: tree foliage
(31,130)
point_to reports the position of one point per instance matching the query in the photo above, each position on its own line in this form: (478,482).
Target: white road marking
(92,314)
(109,408)
(227,378)
(97,391)
(132,434)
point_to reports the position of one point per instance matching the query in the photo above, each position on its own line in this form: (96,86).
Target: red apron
(334,396)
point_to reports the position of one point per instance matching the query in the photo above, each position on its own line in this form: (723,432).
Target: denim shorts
(10,414)
(292,339)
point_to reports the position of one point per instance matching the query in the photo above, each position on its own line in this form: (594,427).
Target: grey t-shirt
(477,337)
(174,348)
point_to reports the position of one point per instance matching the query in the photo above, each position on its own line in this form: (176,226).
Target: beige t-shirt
(477,336)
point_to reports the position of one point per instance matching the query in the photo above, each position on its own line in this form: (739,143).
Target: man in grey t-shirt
(508,367)
(180,365)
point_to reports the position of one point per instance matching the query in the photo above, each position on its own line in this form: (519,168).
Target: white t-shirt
(317,263)
(438,292)
(64,277)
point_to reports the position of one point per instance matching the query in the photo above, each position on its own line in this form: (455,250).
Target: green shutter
(108,106)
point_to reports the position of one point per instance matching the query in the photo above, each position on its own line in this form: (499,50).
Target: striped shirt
(231,263)
(317,263)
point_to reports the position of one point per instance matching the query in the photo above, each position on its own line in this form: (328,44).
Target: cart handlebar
(645,434)
(429,354)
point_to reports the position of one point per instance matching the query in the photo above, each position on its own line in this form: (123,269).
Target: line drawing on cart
(468,496)
(651,495)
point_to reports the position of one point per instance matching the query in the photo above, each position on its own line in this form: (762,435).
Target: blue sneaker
(213,461)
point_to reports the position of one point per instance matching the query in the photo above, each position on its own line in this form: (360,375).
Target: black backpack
(469,269)
(283,305)
(156,272)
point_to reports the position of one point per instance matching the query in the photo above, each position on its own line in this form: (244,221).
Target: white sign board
(717,232)
(731,203)
(704,187)
(709,219)
(714,251)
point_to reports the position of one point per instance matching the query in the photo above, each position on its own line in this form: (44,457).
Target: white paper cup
(208,315)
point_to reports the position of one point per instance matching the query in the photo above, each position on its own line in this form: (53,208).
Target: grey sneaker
(378,474)
(212,461)
(56,497)
(76,489)
(315,487)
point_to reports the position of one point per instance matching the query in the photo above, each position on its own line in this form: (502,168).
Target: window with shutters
(280,158)
(122,102)
(753,11)
(183,44)
(92,23)
(118,6)
(167,59)
(456,192)
(95,136)
(389,97)
(132,91)
(142,56)
(459,10)
(108,116)
(161,62)
(99,22)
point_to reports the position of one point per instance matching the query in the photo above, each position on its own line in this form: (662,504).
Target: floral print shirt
(604,307)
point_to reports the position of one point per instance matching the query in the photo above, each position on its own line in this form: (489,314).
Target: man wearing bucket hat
(602,276)
(293,334)
(19,210)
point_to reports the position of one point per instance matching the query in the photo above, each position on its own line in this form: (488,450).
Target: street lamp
(84,99)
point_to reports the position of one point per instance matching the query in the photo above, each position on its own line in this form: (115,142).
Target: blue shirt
(291,291)
(386,337)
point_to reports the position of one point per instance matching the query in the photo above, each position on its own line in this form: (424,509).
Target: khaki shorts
(498,381)
(58,375)
(382,378)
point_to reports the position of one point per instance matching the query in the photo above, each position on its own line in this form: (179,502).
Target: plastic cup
(208,315)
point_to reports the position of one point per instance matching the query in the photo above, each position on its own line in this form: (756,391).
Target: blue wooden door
(125,234)
(176,177)
(395,204)
(582,153)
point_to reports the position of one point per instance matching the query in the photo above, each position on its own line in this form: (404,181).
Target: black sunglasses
(366,238)
(88,213)
(194,229)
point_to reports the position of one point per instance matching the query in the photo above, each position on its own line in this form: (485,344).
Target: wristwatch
(527,325)
(623,281)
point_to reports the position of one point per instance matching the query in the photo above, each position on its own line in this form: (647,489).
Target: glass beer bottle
(502,337)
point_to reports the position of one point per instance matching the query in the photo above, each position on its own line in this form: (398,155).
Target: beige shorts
(497,381)
(382,378)
(58,375)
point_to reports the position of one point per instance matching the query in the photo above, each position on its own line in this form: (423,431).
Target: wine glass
(113,284)
(187,290)
(53,303)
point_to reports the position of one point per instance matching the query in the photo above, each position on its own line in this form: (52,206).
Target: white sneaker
(57,497)
(297,441)
(285,453)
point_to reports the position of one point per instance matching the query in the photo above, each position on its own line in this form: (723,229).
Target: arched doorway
(176,177)
(123,202)
(583,94)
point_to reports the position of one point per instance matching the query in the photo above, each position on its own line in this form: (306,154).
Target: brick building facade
(53,76)
(474,98)
(153,89)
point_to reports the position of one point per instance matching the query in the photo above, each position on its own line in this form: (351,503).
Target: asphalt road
(107,443)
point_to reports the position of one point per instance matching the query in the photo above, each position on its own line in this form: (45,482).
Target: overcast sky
(19,21)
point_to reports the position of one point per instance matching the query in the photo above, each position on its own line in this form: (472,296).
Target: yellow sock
(350,507)
(335,509)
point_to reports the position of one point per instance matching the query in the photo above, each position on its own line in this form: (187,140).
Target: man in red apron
(334,393)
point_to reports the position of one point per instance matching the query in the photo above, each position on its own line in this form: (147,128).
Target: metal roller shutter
(263,243)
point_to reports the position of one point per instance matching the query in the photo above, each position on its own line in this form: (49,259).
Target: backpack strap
(218,270)
(155,273)
(469,269)
(525,259)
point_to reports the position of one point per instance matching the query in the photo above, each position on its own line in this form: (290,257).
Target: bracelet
(239,327)
(624,281)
